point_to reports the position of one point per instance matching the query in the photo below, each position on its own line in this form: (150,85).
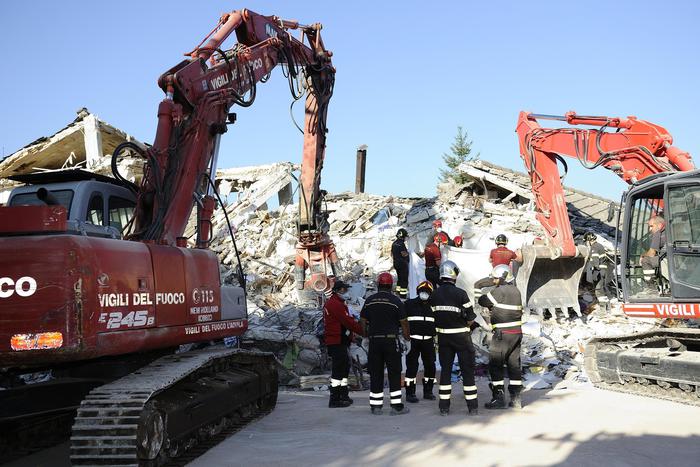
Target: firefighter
(506,320)
(441,237)
(421,321)
(501,254)
(399,254)
(598,269)
(432,258)
(384,317)
(454,316)
(338,335)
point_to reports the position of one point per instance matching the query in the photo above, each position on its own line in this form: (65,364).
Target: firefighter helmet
(449,270)
(401,233)
(590,237)
(426,286)
(503,272)
(441,238)
(385,280)
(437,223)
(501,239)
(458,240)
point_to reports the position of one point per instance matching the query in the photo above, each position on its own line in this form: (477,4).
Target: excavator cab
(665,269)
(95,205)
(660,278)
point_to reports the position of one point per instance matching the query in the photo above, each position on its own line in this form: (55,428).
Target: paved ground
(564,427)
(567,427)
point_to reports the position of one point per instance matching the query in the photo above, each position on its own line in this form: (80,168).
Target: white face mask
(438,230)
(424,296)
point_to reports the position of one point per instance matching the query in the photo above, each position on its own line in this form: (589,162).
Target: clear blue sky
(408,73)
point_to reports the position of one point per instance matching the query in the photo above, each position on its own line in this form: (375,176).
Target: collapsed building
(489,200)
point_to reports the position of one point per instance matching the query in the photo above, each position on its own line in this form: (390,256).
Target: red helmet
(440,238)
(385,279)
(425,285)
(437,223)
(458,240)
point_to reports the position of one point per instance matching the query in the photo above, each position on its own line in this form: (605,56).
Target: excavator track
(663,364)
(156,414)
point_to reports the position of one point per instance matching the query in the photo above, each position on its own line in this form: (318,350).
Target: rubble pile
(553,349)
(363,227)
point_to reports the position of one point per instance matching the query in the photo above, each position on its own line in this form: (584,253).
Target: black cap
(340,285)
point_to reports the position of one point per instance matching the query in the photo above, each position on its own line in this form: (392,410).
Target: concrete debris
(552,348)
(363,227)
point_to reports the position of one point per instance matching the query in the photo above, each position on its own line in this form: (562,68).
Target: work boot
(336,401)
(411,393)
(473,407)
(344,394)
(399,410)
(516,401)
(376,410)
(428,389)
(444,405)
(498,401)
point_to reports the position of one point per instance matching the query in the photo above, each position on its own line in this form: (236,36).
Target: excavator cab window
(120,212)
(96,210)
(64,197)
(643,278)
(684,241)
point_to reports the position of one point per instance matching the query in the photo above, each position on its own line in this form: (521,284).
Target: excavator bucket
(547,282)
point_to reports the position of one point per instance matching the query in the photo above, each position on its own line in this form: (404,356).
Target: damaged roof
(586,211)
(67,147)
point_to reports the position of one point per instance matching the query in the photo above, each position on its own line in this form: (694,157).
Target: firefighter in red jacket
(441,237)
(502,254)
(432,258)
(340,328)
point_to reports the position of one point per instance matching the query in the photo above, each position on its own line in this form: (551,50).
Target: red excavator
(664,185)
(99,287)
(637,149)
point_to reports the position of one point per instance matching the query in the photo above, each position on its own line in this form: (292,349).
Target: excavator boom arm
(635,151)
(199,93)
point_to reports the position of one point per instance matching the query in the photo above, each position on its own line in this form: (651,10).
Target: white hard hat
(449,270)
(503,272)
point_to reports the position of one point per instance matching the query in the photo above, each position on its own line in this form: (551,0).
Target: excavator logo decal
(223,79)
(663,310)
(24,287)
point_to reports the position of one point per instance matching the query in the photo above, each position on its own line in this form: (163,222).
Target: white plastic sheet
(473,265)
